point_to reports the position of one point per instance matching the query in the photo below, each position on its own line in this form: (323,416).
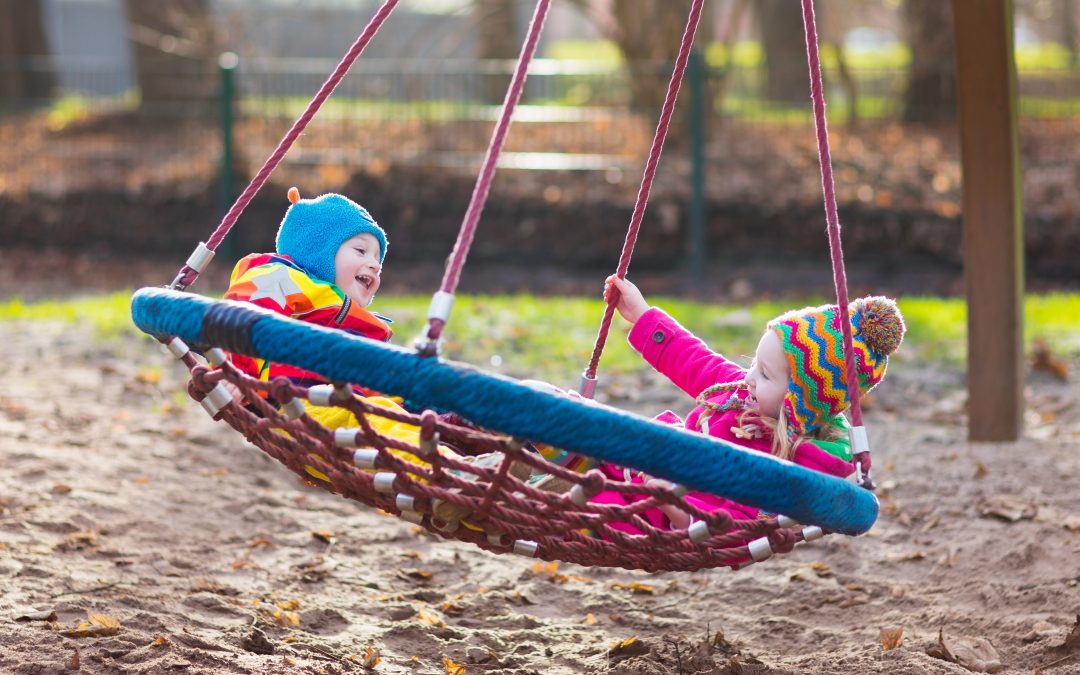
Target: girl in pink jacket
(789,403)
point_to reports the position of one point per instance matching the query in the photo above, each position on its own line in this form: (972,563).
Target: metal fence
(574,117)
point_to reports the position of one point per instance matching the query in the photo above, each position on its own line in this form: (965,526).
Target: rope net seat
(494,504)
(505,512)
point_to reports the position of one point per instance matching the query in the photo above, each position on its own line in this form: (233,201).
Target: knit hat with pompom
(814,345)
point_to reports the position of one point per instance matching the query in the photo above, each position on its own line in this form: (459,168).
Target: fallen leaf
(159,641)
(61,489)
(975,654)
(1045,360)
(910,555)
(422,575)
(452,668)
(891,638)
(292,603)
(325,536)
(99,625)
(371,658)
(590,619)
(36,615)
(1007,507)
(980,470)
(631,646)
(430,619)
(1072,640)
(148,376)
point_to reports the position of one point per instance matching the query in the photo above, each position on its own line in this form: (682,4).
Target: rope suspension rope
(498,505)
(588,378)
(198,261)
(441,302)
(860,444)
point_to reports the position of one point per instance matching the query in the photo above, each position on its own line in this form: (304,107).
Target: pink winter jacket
(692,366)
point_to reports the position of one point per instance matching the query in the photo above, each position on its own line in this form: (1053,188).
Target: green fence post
(696,231)
(227,63)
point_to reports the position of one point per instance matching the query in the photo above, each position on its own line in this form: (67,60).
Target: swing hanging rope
(198,261)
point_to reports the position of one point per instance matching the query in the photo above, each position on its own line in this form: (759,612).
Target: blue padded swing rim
(500,403)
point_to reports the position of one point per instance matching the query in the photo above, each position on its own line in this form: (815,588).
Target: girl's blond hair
(784,443)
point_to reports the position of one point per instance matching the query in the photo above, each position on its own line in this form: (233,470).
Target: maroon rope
(832,219)
(647,179)
(861,459)
(483,181)
(187,275)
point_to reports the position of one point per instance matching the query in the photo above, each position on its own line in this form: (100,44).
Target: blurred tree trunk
(497,40)
(175,51)
(1068,30)
(24,54)
(648,33)
(784,43)
(931,89)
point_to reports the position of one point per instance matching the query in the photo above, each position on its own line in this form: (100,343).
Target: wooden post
(992,218)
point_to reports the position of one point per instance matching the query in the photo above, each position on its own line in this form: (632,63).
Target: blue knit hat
(314,229)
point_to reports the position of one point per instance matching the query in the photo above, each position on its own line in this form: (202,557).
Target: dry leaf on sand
(975,654)
(97,625)
(1007,508)
(891,638)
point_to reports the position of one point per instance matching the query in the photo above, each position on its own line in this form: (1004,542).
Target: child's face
(357,269)
(768,377)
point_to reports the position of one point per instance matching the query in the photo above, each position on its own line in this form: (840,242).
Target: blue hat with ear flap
(314,229)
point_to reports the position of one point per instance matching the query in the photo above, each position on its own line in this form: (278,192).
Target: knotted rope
(493,506)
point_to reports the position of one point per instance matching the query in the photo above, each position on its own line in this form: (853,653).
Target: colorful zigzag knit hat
(313,230)
(813,342)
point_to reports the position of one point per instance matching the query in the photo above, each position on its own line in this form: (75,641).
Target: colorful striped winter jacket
(275,282)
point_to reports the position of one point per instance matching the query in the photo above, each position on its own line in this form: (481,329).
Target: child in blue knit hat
(326,271)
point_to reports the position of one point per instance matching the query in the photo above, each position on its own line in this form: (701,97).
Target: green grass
(552,337)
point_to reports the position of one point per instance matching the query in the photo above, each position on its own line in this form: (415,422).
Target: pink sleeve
(679,355)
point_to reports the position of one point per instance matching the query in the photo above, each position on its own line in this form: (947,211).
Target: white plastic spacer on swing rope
(200,257)
(813,532)
(405,502)
(177,348)
(526,548)
(497,539)
(578,495)
(218,398)
(384,482)
(428,446)
(587,388)
(294,409)
(364,458)
(679,490)
(441,304)
(698,531)
(760,549)
(414,517)
(321,394)
(216,357)
(859,440)
(345,437)
(784,521)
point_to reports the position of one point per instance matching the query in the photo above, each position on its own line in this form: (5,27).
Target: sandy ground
(193,552)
